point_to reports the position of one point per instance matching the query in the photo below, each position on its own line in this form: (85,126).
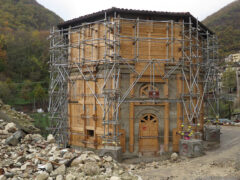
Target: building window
(90,133)
(147,89)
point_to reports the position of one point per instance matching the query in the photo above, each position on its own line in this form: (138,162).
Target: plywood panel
(75,116)
(176,139)
(123,139)
(77,139)
(99,116)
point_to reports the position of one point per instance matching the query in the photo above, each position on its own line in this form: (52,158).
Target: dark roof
(131,13)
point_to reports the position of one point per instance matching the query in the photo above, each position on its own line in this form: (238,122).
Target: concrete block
(212,134)
(191,148)
(114,151)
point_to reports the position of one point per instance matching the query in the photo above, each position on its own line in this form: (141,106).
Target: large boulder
(70,177)
(11,128)
(42,176)
(59,177)
(49,167)
(61,170)
(174,156)
(50,138)
(2,177)
(91,169)
(115,178)
(15,138)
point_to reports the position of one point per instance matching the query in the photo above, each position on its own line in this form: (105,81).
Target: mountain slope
(226,24)
(26,15)
(24,51)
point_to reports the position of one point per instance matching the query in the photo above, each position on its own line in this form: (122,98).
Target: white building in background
(233,63)
(234,58)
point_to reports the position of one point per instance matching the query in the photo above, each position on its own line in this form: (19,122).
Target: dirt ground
(215,165)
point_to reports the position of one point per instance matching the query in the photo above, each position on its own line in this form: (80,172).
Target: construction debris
(19,120)
(30,156)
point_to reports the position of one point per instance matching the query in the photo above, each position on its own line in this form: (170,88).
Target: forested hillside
(24,28)
(226,24)
(26,15)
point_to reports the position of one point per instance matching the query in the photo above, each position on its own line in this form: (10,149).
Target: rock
(70,177)
(15,138)
(91,169)
(132,167)
(79,160)
(108,158)
(42,176)
(11,127)
(9,174)
(24,167)
(61,170)
(68,155)
(48,167)
(115,178)
(37,137)
(4,132)
(174,157)
(59,177)
(50,138)
(21,159)
(2,177)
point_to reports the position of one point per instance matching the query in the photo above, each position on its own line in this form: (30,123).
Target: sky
(69,9)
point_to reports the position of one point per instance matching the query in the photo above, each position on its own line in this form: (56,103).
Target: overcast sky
(69,9)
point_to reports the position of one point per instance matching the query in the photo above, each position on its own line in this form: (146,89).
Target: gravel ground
(217,164)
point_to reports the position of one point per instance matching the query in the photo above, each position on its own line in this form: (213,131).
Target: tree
(5,91)
(3,53)
(26,90)
(39,94)
(229,80)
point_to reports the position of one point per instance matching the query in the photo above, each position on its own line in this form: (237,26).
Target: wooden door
(148,133)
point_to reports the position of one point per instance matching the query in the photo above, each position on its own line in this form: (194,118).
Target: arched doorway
(148,133)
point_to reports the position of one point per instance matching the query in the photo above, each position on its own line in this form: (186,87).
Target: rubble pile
(30,156)
(22,121)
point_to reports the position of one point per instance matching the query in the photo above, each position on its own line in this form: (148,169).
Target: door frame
(131,123)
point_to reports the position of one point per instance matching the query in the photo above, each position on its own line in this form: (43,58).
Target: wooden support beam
(131,81)
(84,113)
(166,88)
(176,135)
(166,127)
(95,114)
(131,127)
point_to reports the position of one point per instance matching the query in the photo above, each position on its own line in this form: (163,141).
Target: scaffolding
(197,65)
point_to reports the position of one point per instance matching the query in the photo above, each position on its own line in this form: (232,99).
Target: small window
(89,31)
(90,133)
(146,89)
